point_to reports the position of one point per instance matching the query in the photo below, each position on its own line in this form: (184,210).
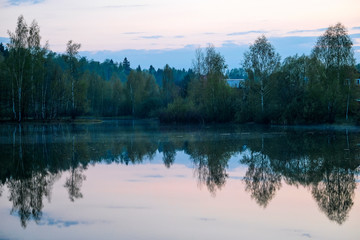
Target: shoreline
(352,126)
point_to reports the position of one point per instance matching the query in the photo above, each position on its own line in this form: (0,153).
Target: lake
(142,180)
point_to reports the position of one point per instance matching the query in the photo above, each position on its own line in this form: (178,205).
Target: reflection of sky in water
(210,186)
(161,203)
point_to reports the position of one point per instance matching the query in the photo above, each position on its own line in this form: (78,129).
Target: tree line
(37,83)
(319,88)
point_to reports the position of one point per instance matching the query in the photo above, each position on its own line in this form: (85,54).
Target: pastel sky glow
(169,25)
(138,201)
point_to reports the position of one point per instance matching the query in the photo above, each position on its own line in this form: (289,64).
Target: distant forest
(38,84)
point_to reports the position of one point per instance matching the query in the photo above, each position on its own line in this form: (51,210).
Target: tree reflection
(260,179)
(210,172)
(27,187)
(335,193)
(74,182)
(169,153)
(27,196)
(210,159)
(36,155)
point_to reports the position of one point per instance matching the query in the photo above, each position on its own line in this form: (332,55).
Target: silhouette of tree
(22,44)
(27,195)
(210,159)
(74,183)
(260,62)
(126,66)
(169,153)
(37,155)
(168,90)
(72,50)
(261,180)
(334,50)
(335,194)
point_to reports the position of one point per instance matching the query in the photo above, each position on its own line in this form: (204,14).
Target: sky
(166,31)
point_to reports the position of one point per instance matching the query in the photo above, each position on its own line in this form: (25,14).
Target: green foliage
(36,83)
(209,92)
(118,95)
(260,63)
(126,66)
(261,60)
(248,103)
(314,89)
(168,89)
(209,98)
(143,94)
(80,89)
(180,111)
(334,50)
(287,98)
(5,86)
(217,100)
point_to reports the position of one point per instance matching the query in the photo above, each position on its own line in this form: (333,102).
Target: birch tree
(18,60)
(260,62)
(34,48)
(209,89)
(198,63)
(334,50)
(26,66)
(72,50)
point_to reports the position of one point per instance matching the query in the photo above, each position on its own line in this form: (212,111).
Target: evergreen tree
(168,85)
(126,66)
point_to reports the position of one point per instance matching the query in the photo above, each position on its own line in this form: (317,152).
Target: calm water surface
(140,180)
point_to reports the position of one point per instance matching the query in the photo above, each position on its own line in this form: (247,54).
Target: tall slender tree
(168,85)
(260,62)
(334,50)
(126,66)
(72,50)
(18,59)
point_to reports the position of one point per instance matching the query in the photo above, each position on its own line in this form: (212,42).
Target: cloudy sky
(167,31)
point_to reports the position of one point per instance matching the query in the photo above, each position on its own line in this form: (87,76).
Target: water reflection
(261,180)
(27,195)
(169,153)
(35,156)
(74,181)
(334,194)
(210,159)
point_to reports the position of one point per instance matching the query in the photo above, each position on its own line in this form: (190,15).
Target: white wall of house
(235,83)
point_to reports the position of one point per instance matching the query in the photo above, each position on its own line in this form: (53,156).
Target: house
(357,83)
(235,83)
